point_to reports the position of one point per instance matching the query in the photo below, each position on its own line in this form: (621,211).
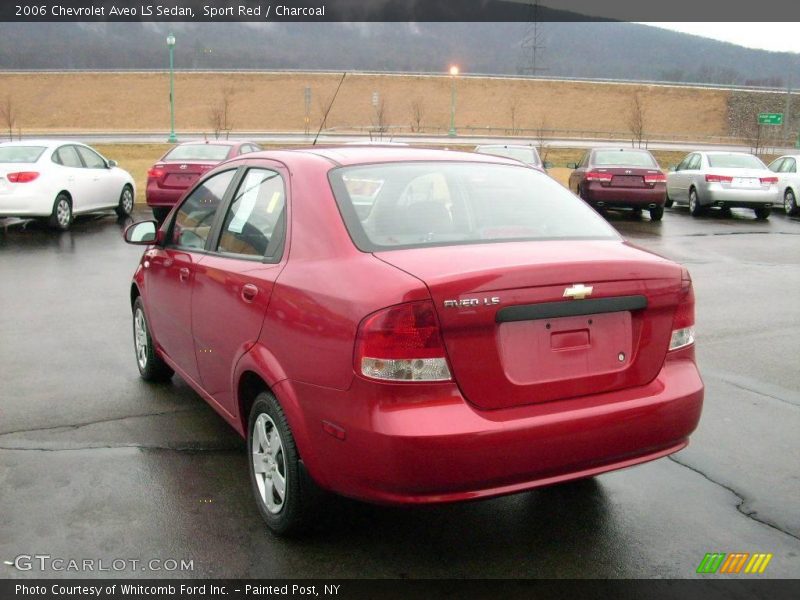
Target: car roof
(358,155)
(42,142)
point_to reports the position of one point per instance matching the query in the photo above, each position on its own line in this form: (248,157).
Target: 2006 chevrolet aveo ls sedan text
(411,326)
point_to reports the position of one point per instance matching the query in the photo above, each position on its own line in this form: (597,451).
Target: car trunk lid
(513,338)
(627,177)
(181,175)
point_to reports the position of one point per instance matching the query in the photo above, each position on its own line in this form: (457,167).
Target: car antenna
(325,118)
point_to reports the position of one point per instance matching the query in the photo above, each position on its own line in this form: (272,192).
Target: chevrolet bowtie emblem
(578,291)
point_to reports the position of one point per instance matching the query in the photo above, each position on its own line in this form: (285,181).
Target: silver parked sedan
(725,180)
(785,167)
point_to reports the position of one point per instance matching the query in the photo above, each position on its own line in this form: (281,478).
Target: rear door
(233,283)
(170,271)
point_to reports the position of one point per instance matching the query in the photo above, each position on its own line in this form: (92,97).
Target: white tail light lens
(681,338)
(683,321)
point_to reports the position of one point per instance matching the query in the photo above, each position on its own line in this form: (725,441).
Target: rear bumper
(161,197)
(716,195)
(17,204)
(595,193)
(415,444)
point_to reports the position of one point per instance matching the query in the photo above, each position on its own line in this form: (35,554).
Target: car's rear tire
(151,366)
(286,496)
(61,217)
(790,202)
(656,213)
(695,208)
(160,213)
(125,205)
(762,212)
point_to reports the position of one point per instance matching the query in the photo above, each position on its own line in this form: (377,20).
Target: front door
(170,272)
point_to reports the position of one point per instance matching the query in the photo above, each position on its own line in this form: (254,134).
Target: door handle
(249,292)
(183,274)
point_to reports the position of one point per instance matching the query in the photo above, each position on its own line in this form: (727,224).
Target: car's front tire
(125,205)
(285,495)
(61,217)
(151,366)
(762,212)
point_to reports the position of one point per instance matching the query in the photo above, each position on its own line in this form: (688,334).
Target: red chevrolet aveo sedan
(411,326)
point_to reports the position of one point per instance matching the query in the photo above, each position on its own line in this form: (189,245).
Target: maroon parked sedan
(620,178)
(413,326)
(180,168)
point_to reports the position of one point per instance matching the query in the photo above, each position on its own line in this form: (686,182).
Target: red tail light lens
(402,343)
(683,320)
(156,172)
(718,178)
(655,178)
(769,180)
(22,176)
(598,176)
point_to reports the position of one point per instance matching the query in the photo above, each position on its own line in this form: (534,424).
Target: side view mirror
(142,233)
(572,165)
(112,164)
(548,164)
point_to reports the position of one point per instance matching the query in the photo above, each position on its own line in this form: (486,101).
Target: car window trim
(233,185)
(277,254)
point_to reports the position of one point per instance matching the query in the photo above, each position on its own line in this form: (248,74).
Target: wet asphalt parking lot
(97,464)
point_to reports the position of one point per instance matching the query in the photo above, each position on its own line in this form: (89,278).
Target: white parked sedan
(786,168)
(55,180)
(725,180)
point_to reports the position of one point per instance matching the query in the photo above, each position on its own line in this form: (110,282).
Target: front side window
(440,203)
(694,163)
(254,223)
(528,156)
(194,220)
(775,165)
(91,158)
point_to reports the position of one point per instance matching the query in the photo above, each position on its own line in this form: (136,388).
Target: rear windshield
(734,161)
(419,204)
(20,154)
(199,152)
(626,158)
(527,155)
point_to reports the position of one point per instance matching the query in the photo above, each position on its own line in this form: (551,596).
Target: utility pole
(532,43)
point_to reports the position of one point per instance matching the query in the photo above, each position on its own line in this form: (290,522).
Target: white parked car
(56,179)
(785,167)
(725,180)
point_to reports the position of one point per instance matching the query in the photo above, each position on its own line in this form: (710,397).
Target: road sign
(770,118)
(375,99)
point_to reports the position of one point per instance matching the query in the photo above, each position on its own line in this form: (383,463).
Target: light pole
(171,45)
(453,74)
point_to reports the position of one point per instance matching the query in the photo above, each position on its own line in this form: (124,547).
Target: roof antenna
(325,118)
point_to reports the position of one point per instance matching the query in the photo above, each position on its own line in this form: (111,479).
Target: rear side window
(199,152)
(254,223)
(788,166)
(734,161)
(526,155)
(628,158)
(68,156)
(20,154)
(195,218)
(419,204)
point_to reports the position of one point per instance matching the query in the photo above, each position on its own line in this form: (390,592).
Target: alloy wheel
(140,337)
(269,465)
(63,213)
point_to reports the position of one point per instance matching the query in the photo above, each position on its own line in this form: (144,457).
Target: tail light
(22,176)
(769,180)
(156,172)
(718,178)
(205,168)
(655,178)
(683,321)
(598,176)
(402,343)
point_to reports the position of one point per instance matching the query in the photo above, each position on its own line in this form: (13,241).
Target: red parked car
(182,166)
(620,178)
(412,326)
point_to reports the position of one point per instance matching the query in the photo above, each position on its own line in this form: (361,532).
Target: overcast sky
(782,37)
